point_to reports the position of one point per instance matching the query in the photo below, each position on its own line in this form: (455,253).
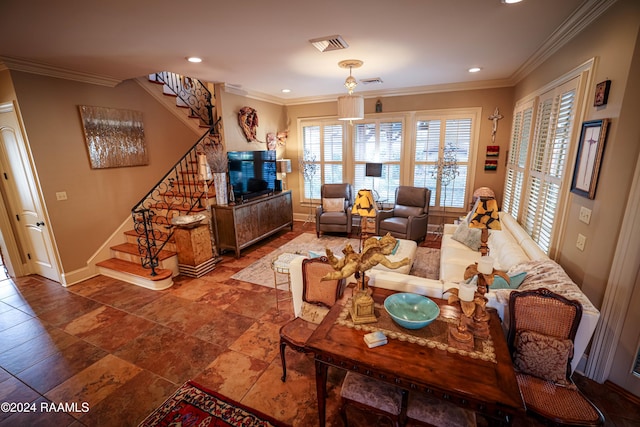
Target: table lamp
(283,167)
(365,207)
(485,216)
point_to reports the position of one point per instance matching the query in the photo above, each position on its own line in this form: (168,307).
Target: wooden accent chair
(410,215)
(334,214)
(317,298)
(542,327)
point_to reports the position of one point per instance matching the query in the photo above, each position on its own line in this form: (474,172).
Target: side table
(280,265)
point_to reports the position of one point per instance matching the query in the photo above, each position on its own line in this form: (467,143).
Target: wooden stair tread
(160,235)
(176,207)
(132,249)
(135,269)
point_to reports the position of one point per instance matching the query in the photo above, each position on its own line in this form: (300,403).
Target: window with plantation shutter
(378,141)
(547,163)
(517,158)
(322,156)
(442,157)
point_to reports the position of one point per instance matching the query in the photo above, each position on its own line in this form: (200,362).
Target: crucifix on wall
(495,117)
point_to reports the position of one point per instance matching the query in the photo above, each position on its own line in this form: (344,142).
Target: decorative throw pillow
(542,356)
(514,281)
(469,237)
(333,205)
(314,254)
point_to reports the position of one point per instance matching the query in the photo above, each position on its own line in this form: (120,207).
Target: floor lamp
(374,170)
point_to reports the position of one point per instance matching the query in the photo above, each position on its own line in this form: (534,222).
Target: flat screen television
(252,173)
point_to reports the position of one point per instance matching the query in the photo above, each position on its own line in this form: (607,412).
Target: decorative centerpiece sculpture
(485,274)
(461,336)
(374,252)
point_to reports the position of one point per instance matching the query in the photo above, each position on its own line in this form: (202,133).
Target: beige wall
(612,40)
(98,199)
(487,99)
(271,118)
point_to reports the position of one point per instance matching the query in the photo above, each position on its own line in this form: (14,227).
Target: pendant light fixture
(350,107)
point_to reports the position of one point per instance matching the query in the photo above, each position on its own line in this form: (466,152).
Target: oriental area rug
(427,263)
(193,405)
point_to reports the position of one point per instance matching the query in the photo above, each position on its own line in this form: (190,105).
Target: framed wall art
(114,137)
(602,93)
(590,149)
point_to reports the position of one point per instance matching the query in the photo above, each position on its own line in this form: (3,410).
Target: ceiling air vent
(374,80)
(326,44)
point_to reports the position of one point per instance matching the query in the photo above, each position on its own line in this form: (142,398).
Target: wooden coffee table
(488,387)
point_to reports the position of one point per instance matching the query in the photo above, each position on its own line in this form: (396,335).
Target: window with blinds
(378,141)
(322,156)
(538,181)
(441,162)
(517,158)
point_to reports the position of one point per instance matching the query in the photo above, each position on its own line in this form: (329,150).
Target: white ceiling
(262,46)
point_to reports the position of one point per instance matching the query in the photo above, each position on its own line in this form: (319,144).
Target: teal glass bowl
(411,311)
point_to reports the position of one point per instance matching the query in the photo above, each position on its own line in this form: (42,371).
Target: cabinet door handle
(40,223)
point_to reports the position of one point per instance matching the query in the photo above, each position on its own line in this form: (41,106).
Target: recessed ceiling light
(194,59)
(474,69)
(511,1)
(286,90)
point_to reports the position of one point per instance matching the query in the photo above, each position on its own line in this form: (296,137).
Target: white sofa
(513,251)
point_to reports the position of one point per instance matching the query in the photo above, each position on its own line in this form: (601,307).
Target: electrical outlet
(585,215)
(61,195)
(582,240)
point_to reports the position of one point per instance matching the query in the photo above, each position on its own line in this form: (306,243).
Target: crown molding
(416,90)
(572,26)
(19,64)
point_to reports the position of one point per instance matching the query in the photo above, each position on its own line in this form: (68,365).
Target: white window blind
(442,153)
(517,158)
(322,156)
(378,141)
(548,161)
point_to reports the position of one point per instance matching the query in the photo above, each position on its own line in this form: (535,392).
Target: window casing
(537,162)
(378,141)
(442,158)
(408,152)
(322,156)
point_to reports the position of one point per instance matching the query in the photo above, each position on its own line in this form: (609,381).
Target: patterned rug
(193,405)
(427,263)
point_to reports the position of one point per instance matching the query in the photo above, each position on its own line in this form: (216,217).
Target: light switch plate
(585,215)
(61,195)
(582,240)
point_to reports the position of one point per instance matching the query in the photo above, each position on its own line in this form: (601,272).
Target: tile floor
(117,350)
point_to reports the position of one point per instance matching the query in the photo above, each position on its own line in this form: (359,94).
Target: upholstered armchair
(334,214)
(409,217)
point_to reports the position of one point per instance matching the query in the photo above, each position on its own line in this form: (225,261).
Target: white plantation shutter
(332,158)
(434,138)
(378,141)
(548,161)
(322,147)
(517,158)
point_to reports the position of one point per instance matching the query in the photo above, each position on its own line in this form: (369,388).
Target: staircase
(148,256)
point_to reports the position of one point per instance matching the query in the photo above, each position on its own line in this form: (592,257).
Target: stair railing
(192,93)
(180,189)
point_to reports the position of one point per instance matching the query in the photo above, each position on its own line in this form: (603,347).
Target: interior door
(22,199)
(625,370)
